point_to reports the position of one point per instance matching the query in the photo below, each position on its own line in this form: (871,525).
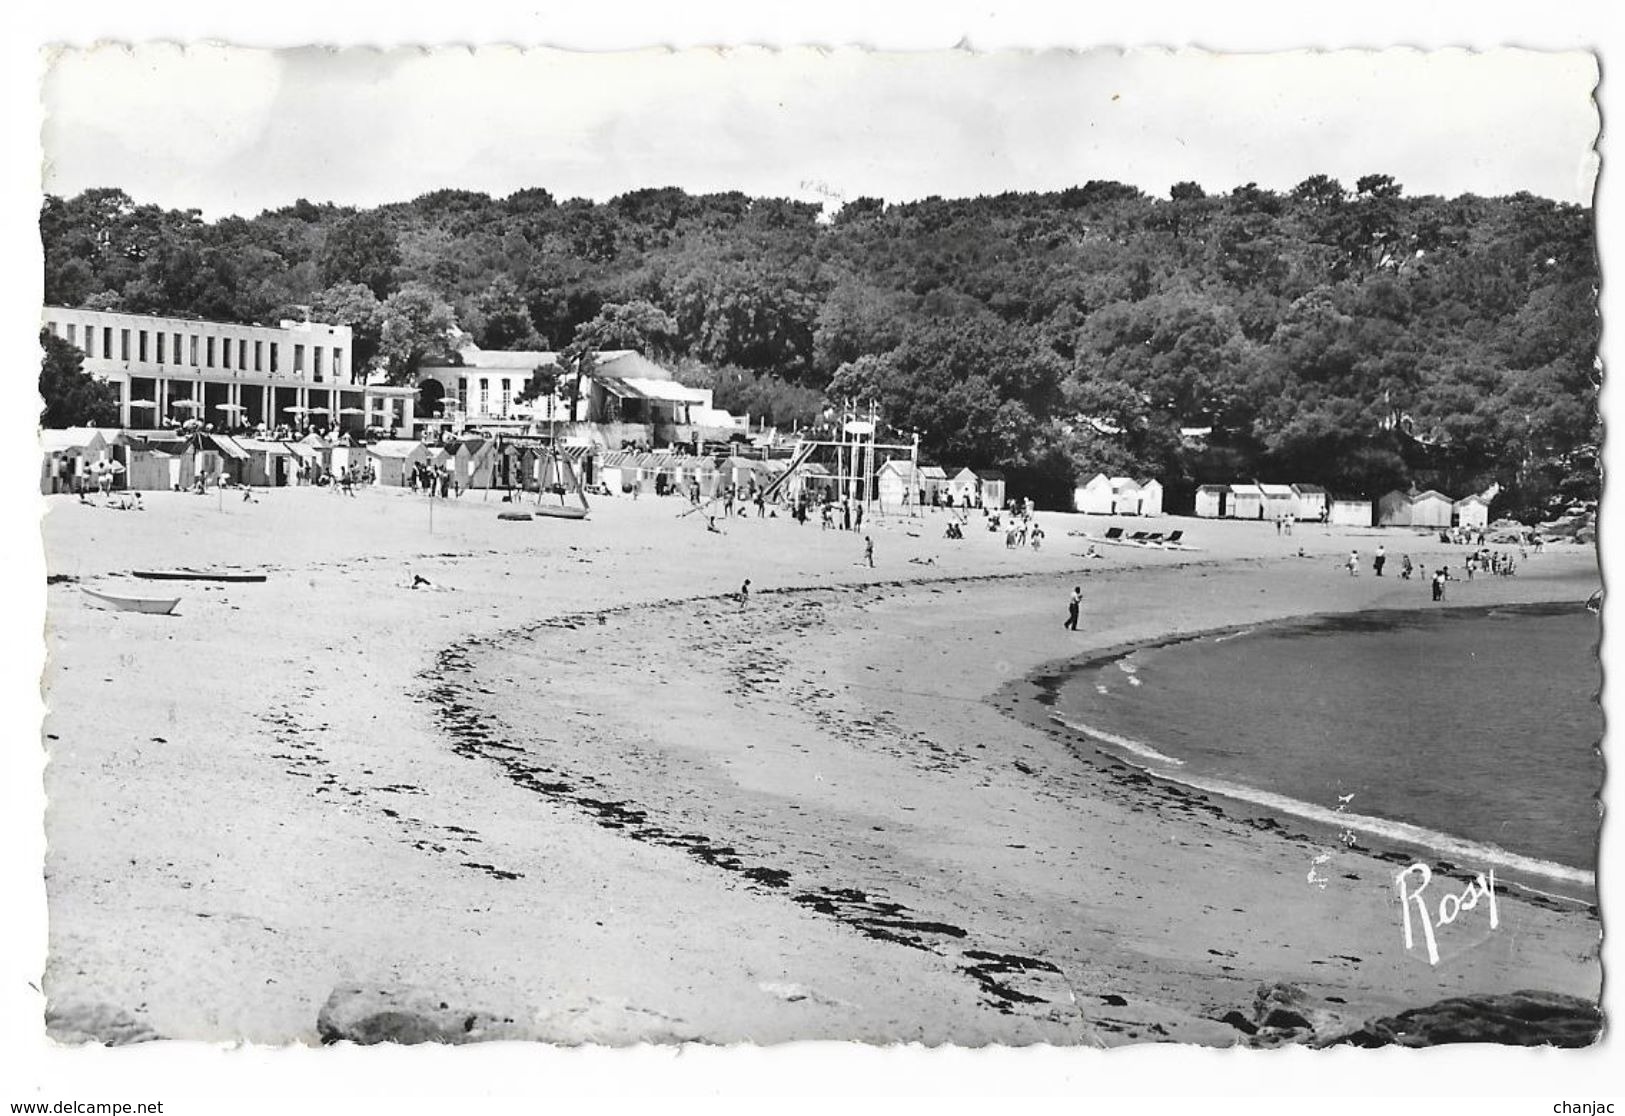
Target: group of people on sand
(1482,560)
(346,480)
(944,498)
(1024,531)
(434,480)
(1500,563)
(120,501)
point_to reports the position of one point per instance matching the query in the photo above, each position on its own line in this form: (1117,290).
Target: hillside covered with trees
(1357,338)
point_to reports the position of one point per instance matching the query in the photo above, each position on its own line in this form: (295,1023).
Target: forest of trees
(1352,337)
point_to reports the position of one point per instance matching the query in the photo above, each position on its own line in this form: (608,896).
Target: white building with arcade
(229,375)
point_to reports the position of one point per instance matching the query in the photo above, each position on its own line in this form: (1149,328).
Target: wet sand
(573,781)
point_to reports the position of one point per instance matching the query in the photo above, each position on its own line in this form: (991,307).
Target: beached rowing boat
(158,606)
(516,517)
(184,574)
(560,511)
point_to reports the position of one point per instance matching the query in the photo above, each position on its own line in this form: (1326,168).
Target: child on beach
(1354,563)
(869,551)
(744,595)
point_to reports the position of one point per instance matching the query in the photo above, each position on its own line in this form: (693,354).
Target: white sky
(232,130)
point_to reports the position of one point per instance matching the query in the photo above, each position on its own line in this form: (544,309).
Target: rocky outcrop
(1511,1019)
(1285,1014)
(76,1024)
(405,1015)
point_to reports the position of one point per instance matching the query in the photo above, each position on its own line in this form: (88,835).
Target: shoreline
(1379,836)
(726,853)
(278,809)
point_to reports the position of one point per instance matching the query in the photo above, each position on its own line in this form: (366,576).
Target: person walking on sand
(1380,560)
(1072,606)
(869,551)
(1438,584)
(744,595)
(1405,567)
(1354,563)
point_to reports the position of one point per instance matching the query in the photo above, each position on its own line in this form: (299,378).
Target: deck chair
(1138,536)
(1155,537)
(1114,533)
(1174,537)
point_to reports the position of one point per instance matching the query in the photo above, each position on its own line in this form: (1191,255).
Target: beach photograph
(1070,552)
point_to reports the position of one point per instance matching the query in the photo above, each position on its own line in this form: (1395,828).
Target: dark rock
(1285,1019)
(1277,995)
(82,1023)
(1285,1013)
(406,1015)
(1511,1019)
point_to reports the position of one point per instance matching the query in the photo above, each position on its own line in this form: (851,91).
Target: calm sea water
(1474,732)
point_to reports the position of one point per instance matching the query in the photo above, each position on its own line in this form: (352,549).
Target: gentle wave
(1473,852)
(1139,748)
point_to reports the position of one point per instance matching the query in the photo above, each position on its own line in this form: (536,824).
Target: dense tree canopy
(72,396)
(1350,336)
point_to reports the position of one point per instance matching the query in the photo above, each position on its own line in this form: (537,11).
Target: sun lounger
(1114,533)
(1174,537)
(1138,536)
(1155,537)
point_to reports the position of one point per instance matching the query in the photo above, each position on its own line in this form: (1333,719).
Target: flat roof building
(226,374)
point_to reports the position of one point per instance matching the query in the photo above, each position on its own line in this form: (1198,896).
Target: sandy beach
(571,780)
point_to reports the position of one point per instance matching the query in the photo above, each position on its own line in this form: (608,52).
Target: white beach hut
(1150,497)
(1095,497)
(1348,511)
(1472,511)
(1311,500)
(392,461)
(1431,509)
(1246,501)
(1125,496)
(933,482)
(990,488)
(1279,500)
(964,486)
(898,482)
(1212,500)
(67,454)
